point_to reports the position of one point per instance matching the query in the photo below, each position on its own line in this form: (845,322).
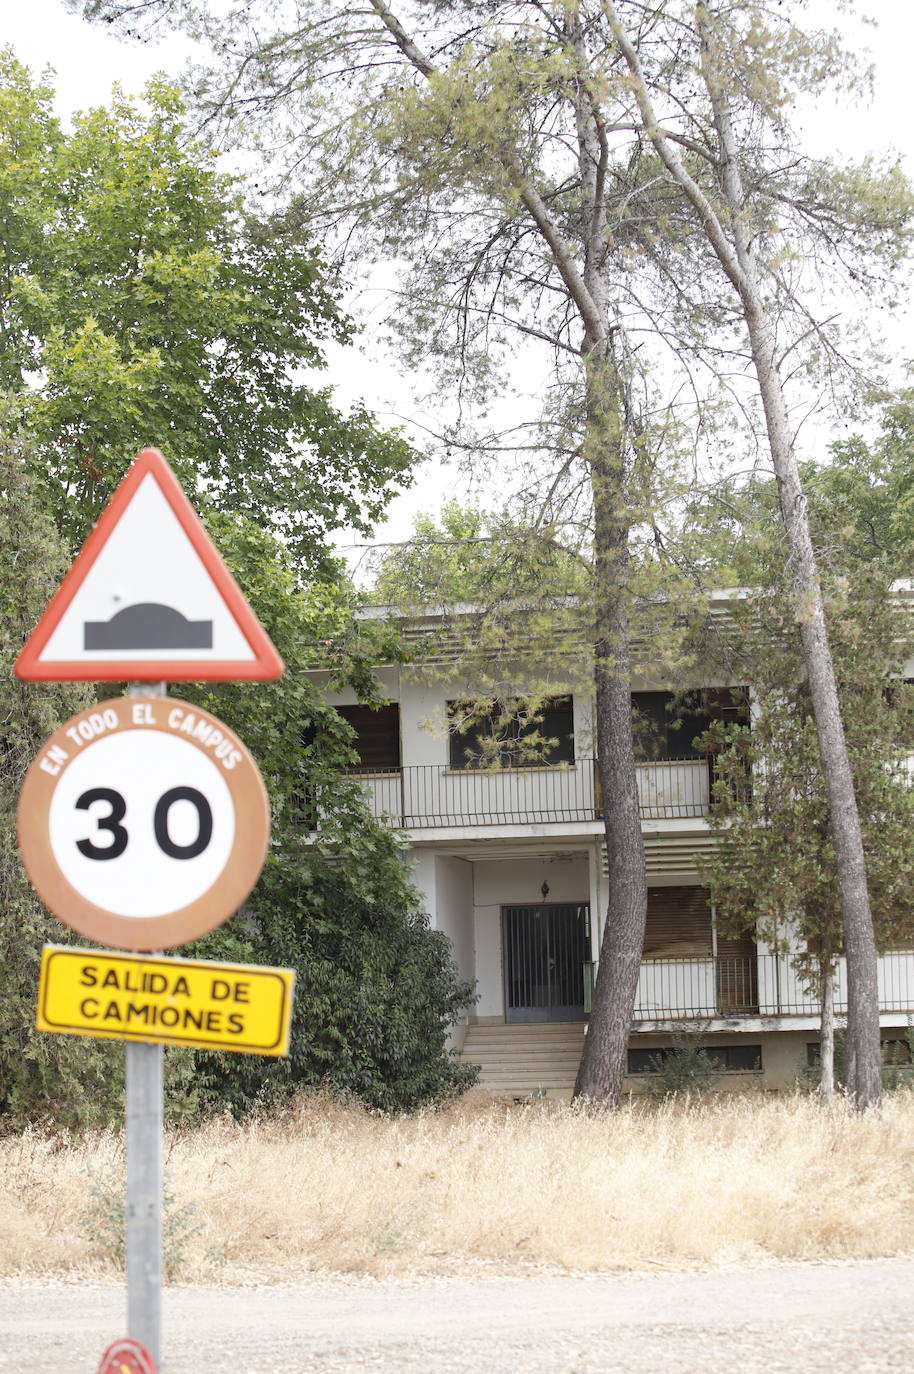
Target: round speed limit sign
(143,822)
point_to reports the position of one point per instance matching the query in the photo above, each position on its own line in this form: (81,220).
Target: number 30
(120,836)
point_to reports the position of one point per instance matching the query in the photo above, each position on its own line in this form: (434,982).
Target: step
(511,1042)
(525,1059)
(522,1052)
(540,1071)
(540,1036)
(524,1056)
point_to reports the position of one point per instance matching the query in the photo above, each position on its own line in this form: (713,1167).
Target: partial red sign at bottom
(127,1356)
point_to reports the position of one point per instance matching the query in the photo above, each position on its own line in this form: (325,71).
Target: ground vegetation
(681,1184)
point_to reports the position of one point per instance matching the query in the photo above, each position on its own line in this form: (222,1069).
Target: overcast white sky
(88,60)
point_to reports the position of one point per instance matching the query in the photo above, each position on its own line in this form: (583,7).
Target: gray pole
(144,1173)
(144,1195)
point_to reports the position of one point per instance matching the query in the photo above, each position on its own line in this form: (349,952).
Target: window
(726,1058)
(666,724)
(897,1052)
(678,923)
(510,734)
(377,736)
(894,1051)
(647,1061)
(736,1058)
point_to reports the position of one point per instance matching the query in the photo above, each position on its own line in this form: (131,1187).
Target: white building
(511,863)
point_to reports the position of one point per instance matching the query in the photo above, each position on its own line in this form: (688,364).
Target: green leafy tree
(142,303)
(518,168)
(481,134)
(42,1077)
(775,867)
(866,490)
(470,556)
(713,91)
(377,991)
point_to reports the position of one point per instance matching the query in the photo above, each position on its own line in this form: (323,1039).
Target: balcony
(767,985)
(434,796)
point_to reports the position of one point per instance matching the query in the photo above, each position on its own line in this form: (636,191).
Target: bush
(376,990)
(687,1067)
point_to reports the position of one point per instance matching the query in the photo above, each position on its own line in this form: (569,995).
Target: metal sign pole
(144,1195)
(144,1171)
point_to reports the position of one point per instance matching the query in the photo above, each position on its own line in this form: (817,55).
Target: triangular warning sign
(127,1357)
(148,598)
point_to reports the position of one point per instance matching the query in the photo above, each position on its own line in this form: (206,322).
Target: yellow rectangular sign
(242,1007)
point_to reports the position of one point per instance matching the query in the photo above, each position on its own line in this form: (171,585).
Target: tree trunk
(864,1080)
(603,1062)
(730,236)
(827,1032)
(605,449)
(865,1085)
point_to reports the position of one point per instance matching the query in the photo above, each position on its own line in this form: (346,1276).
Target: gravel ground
(779,1319)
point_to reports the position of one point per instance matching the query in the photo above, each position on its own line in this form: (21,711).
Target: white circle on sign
(162,809)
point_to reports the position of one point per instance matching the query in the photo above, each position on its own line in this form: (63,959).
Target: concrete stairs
(532,1060)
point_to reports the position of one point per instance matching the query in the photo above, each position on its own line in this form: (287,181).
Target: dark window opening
(506,734)
(377,736)
(726,1058)
(736,1058)
(667,724)
(894,1051)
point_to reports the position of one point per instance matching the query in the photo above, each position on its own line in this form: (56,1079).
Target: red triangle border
(264,666)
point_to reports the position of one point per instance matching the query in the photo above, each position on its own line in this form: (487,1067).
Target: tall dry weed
(328,1185)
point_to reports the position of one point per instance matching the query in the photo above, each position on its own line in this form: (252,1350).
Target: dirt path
(785,1319)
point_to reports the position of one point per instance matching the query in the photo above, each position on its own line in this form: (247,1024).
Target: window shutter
(678,923)
(377,735)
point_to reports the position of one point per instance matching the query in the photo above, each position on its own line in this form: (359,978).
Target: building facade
(508,853)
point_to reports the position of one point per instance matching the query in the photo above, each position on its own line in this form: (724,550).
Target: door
(545,950)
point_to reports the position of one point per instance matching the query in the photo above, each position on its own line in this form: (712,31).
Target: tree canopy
(143,303)
(623,185)
(377,991)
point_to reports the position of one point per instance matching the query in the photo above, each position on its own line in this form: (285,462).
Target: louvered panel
(377,732)
(674,856)
(678,923)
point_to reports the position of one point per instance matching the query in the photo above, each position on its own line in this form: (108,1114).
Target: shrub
(687,1067)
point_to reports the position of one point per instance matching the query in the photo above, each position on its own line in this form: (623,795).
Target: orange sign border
(144,933)
(265,664)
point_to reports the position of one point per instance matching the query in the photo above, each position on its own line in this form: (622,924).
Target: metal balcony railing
(766,985)
(434,796)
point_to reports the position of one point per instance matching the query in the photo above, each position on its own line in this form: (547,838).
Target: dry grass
(330,1186)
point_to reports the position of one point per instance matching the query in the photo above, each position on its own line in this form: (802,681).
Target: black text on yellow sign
(242,1007)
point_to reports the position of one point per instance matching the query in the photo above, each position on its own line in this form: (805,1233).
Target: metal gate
(545,950)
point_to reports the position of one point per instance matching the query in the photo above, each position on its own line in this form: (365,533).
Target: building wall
(516,882)
(785,1063)
(423,713)
(454,879)
(387,679)
(423,723)
(783,1060)
(446,886)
